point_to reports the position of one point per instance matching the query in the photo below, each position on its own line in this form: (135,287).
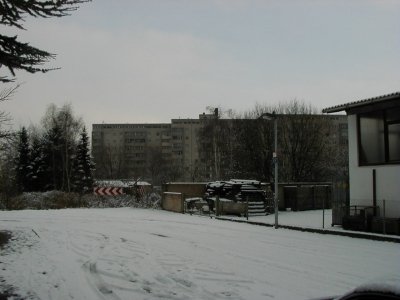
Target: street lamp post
(270,117)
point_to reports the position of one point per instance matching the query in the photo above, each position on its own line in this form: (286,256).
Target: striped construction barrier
(108,191)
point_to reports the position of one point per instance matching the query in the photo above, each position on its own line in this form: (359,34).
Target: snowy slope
(147,254)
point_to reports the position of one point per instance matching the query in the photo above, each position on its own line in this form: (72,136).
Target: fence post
(313,196)
(384,217)
(247,207)
(217,205)
(323,211)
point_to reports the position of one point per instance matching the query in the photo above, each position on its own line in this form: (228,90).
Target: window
(372,139)
(393,134)
(379,137)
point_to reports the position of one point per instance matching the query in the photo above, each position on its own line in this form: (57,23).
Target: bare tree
(5,95)
(156,165)
(61,121)
(110,163)
(216,143)
(254,139)
(243,146)
(303,142)
(209,144)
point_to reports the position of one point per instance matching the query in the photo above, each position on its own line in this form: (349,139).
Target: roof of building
(359,103)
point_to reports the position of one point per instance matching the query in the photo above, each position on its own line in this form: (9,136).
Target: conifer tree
(23,161)
(83,165)
(38,167)
(52,158)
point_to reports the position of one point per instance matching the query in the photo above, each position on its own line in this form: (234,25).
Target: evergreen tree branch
(13,11)
(16,55)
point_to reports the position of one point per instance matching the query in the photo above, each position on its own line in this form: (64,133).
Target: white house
(374,152)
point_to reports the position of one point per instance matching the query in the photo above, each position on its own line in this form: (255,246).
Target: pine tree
(52,159)
(37,166)
(23,161)
(83,165)
(16,55)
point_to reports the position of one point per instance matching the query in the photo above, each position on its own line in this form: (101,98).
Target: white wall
(387,179)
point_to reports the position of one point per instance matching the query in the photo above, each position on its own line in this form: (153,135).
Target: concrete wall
(173,202)
(387,179)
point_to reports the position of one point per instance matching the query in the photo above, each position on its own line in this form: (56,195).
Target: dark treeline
(55,156)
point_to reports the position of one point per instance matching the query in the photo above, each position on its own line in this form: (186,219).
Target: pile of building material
(241,193)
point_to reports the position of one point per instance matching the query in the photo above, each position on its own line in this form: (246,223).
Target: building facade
(155,152)
(374,152)
(170,151)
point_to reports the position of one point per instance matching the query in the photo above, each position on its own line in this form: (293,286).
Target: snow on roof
(186,182)
(358,103)
(245,181)
(193,199)
(216,184)
(220,199)
(119,183)
(235,181)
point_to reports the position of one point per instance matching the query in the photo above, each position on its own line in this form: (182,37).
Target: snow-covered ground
(315,219)
(310,218)
(126,253)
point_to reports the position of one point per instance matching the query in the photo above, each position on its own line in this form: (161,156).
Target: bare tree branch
(5,95)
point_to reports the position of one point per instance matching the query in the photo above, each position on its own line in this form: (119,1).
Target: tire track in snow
(107,266)
(89,247)
(186,276)
(97,283)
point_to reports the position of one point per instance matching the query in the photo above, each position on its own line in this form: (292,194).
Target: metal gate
(340,202)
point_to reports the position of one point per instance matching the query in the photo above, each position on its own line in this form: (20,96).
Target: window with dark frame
(379,137)
(393,134)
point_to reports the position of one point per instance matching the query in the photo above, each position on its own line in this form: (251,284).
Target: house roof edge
(363,102)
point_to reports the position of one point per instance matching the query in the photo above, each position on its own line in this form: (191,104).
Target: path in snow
(145,254)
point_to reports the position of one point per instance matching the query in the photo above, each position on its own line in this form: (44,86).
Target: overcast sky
(131,61)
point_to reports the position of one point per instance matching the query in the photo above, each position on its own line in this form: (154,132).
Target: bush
(58,200)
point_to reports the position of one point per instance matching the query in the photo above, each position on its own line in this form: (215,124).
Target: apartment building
(147,150)
(165,151)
